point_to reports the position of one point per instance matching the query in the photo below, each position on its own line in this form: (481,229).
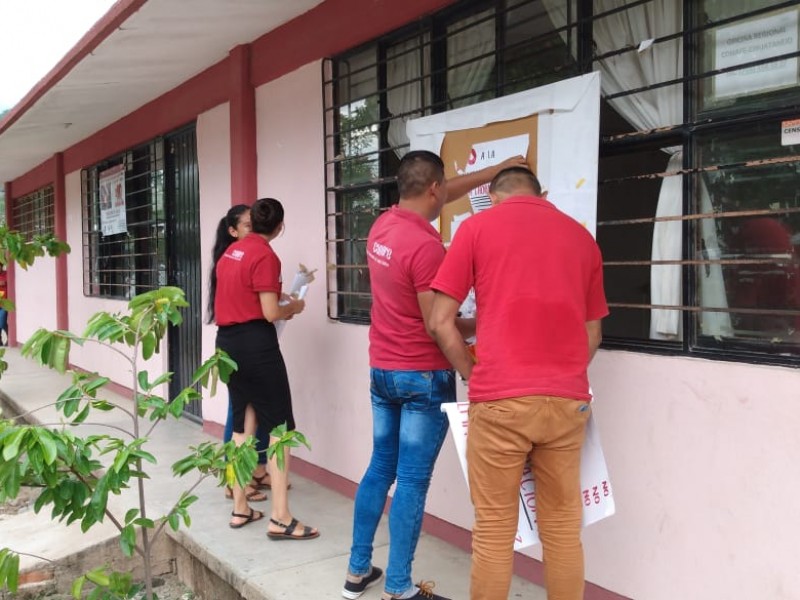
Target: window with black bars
(124,251)
(34,214)
(698,203)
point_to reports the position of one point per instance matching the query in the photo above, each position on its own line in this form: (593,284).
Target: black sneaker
(353,590)
(424,592)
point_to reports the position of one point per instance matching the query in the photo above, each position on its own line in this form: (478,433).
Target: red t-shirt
(249,266)
(403,252)
(538,278)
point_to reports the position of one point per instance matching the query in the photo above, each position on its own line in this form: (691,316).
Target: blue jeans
(408,430)
(262,437)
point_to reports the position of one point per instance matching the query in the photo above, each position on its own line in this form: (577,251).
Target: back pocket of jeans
(413,385)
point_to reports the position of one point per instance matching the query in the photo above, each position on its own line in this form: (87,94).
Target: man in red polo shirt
(409,377)
(538,278)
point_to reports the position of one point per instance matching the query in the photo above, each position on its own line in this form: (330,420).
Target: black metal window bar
(698,208)
(34,214)
(124,264)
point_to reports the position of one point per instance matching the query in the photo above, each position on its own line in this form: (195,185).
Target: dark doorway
(181,186)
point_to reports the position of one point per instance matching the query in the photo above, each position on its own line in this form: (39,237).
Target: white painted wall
(214,163)
(702,454)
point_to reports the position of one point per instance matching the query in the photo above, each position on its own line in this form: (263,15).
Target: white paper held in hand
(299,288)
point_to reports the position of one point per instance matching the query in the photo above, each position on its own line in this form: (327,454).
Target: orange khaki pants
(502,435)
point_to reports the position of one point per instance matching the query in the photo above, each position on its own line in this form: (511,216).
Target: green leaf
(77,587)
(127,540)
(13,442)
(143,522)
(141,377)
(48,445)
(81,416)
(131,515)
(12,576)
(149,344)
(98,576)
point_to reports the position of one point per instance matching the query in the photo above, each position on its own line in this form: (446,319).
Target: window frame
(34,214)
(131,264)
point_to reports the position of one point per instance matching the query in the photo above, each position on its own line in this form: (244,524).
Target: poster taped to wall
(596,492)
(113,217)
(556,127)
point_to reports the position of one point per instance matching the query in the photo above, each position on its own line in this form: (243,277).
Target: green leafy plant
(78,473)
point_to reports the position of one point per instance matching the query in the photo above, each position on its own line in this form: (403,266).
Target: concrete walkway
(259,569)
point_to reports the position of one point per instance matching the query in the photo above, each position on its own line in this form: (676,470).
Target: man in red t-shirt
(538,279)
(410,377)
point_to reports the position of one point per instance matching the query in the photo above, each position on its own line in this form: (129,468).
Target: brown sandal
(252,494)
(258,483)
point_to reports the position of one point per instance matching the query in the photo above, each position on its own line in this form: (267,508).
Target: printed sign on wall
(113,217)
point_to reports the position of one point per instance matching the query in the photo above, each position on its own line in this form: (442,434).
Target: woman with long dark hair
(248,301)
(235,225)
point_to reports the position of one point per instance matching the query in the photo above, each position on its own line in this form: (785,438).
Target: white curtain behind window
(406,63)
(650,110)
(469,43)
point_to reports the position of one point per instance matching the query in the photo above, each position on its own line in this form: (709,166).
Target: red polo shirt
(249,266)
(538,277)
(403,252)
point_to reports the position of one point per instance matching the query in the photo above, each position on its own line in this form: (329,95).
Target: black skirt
(261,378)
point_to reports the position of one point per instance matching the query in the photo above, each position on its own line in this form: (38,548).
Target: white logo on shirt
(379,249)
(235,254)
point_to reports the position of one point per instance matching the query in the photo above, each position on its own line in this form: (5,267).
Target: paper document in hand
(299,288)
(596,493)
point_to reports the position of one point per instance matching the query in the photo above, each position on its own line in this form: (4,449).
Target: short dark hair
(515,179)
(266,215)
(418,169)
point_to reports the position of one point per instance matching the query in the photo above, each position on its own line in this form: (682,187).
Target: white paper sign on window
(790,132)
(112,201)
(753,40)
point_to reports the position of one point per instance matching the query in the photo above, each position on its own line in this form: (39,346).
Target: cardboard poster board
(455,154)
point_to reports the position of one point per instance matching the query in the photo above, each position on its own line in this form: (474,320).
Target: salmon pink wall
(214,162)
(703,459)
(35,297)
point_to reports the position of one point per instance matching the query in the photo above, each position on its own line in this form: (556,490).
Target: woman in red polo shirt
(248,301)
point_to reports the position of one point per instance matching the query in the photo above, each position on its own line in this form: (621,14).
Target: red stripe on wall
(60,202)
(330,28)
(162,115)
(177,107)
(35,179)
(10,287)
(244,179)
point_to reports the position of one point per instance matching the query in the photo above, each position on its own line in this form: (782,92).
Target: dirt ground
(165,587)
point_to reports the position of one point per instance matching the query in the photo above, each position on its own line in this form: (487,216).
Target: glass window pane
(535,54)
(627,193)
(408,80)
(471,60)
(755,236)
(633,60)
(733,45)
